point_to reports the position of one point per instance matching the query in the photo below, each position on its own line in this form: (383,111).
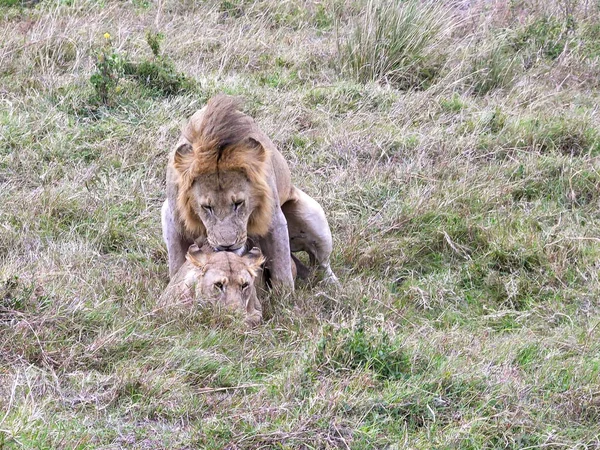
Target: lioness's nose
(225,248)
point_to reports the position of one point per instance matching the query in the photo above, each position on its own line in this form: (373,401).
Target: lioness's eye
(219,285)
(236,205)
(207,208)
(245,285)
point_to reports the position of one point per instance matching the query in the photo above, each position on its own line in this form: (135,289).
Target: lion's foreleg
(177,245)
(275,246)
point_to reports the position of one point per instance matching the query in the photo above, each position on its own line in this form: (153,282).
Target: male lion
(220,278)
(226,182)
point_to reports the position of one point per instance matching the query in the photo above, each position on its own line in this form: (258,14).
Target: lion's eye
(219,285)
(236,205)
(207,208)
(245,285)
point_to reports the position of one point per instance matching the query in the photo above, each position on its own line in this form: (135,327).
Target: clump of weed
(493,65)
(342,349)
(159,75)
(436,238)
(567,136)
(545,36)
(232,8)
(322,18)
(452,104)
(394,42)
(590,34)
(109,70)
(154,41)
(493,121)
(345,97)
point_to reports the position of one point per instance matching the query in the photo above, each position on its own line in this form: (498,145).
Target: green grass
(455,152)
(392,41)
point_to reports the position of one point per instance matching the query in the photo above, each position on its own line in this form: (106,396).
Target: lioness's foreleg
(177,245)
(275,246)
(309,231)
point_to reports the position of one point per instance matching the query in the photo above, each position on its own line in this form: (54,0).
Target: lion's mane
(225,140)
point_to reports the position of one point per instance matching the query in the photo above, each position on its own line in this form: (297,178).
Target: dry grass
(464,212)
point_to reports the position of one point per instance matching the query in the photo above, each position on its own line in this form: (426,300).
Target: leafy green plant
(109,70)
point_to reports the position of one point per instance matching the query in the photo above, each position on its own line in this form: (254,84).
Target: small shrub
(160,76)
(393,41)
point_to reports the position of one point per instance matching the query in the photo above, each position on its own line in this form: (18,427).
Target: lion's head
(219,278)
(223,192)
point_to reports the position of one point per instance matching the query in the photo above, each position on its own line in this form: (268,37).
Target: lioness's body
(222,278)
(221,159)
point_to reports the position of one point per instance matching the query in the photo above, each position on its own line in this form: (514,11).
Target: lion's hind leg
(309,231)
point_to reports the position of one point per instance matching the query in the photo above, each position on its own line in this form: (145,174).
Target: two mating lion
(227,182)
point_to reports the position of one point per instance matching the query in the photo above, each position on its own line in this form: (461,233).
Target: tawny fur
(219,139)
(194,283)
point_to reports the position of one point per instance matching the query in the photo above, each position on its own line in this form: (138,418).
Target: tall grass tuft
(394,42)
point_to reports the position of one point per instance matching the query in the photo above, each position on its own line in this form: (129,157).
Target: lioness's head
(226,279)
(223,191)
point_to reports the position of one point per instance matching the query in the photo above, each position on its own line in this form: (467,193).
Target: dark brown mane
(224,126)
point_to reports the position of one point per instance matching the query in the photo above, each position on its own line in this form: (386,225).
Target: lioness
(222,278)
(226,181)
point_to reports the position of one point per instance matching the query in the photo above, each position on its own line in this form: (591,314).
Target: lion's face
(224,203)
(227,279)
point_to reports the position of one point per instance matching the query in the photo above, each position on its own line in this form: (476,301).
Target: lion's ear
(197,257)
(257,149)
(183,157)
(254,259)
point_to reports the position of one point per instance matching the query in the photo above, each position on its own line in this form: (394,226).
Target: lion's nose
(225,248)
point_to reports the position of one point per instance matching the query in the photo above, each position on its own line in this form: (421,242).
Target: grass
(459,175)
(393,41)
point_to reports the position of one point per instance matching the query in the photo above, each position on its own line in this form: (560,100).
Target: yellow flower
(106,36)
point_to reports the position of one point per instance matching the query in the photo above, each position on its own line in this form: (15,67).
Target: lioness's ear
(183,159)
(254,259)
(197,257)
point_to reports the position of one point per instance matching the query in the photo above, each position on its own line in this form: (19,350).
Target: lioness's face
(228,280)
(223,201)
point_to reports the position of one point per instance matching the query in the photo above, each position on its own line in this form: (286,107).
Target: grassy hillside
(455,148)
